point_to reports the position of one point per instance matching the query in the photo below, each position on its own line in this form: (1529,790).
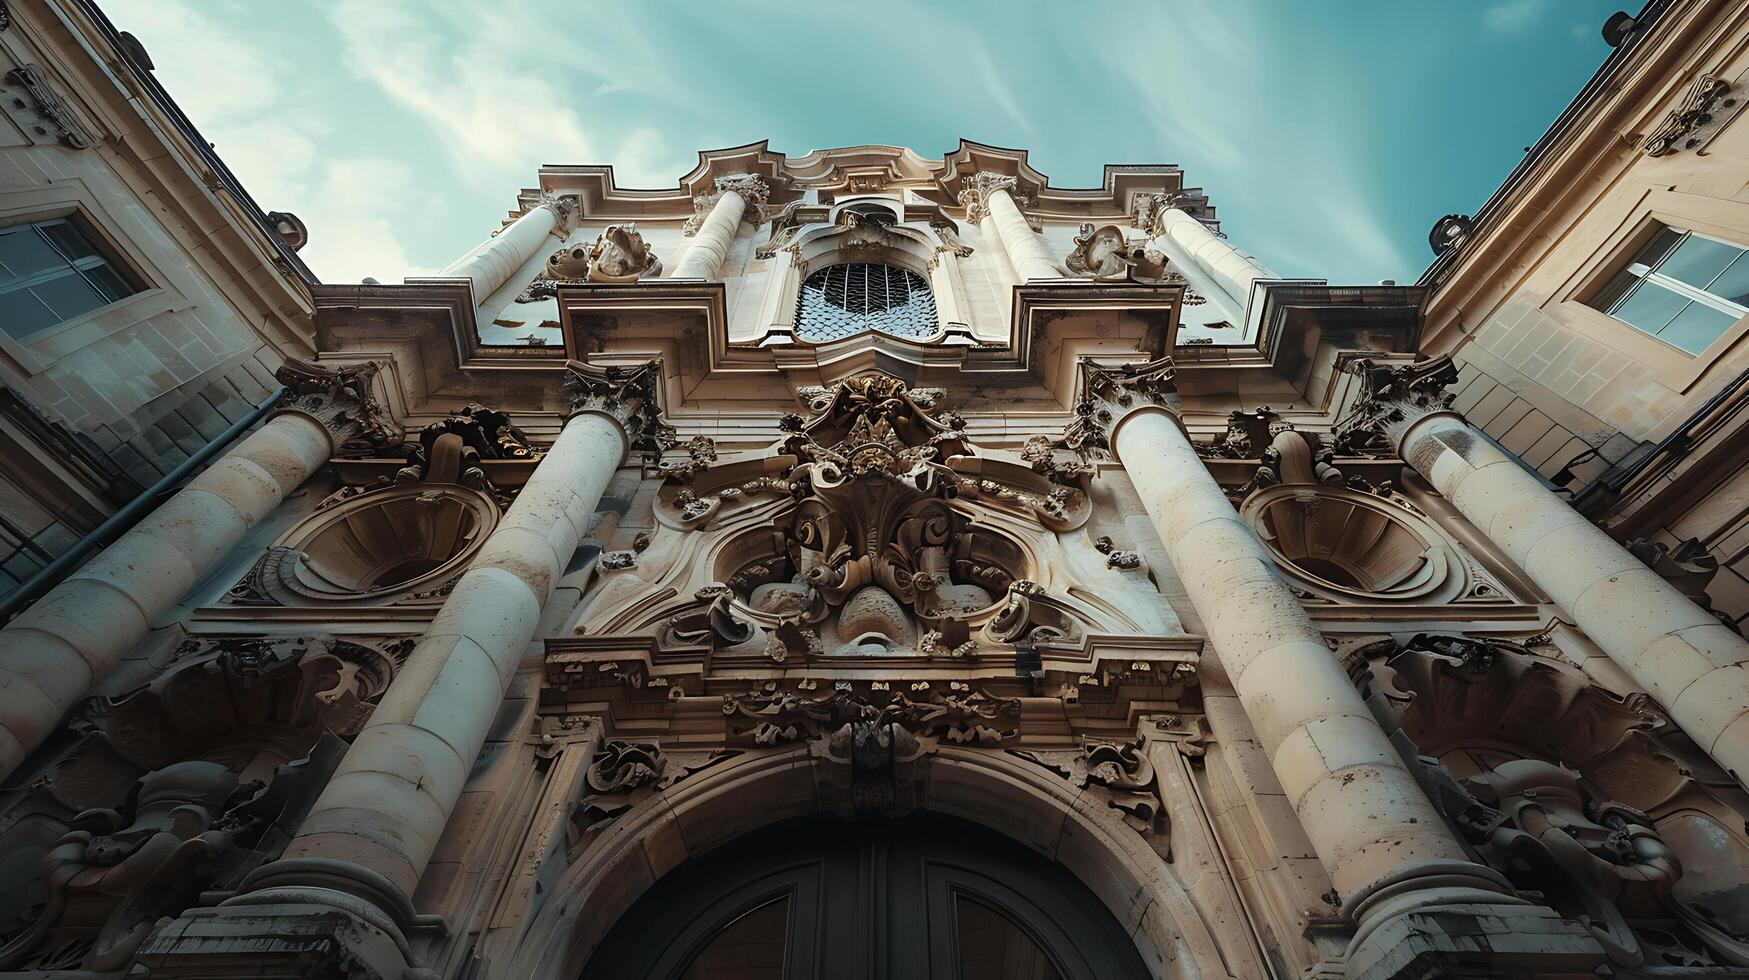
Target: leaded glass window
(844,300)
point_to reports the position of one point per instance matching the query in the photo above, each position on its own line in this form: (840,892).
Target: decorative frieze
(1708,104)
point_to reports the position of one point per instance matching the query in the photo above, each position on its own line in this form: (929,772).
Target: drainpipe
(131,514)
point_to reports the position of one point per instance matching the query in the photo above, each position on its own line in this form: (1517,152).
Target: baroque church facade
(864,564)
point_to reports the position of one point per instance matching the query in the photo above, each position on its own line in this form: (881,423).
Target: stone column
(76,634)
(1680,653)
(714,234)
(994,193)
(491,263)
(366,840)
(1387,849)
(1232,270)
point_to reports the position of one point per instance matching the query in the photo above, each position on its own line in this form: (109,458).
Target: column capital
(752,188)
(340,399)
(1393,397)
(564,209)
(1110,394)
(975,193)
(627,395)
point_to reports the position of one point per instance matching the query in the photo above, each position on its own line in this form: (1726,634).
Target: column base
(282,934)
(1468,941)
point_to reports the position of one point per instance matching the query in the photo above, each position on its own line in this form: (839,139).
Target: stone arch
(988,787)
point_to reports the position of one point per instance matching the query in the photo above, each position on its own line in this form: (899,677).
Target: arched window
(844,300)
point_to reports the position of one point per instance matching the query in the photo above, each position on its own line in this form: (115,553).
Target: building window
(843,300)
(51,272)
(1684,288)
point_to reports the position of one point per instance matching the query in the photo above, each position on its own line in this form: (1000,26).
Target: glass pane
(1695,327)
(23,252)
(69,295)
(1698,261)
(749,948)
(108,282)
(1733,283)
(1649,306)
(67,237)
(993,947)
(1659,246)
(1611,293)
(24,314)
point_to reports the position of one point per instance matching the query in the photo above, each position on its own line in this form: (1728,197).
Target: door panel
(920,897)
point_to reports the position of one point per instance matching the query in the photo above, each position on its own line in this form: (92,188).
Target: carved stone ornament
(342,401)
(1120,774)
(1689,566)
(950,238)
(179,788)
(1709,103)
(624,774)
(52,117)
(1594,801)
(1099,252)
(628,394)
(1392,398)
(1108,392)
(563,206)
(620,255)
(975,193)
(783,227)
(951,711)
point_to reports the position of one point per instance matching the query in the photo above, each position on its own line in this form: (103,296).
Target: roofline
(1594,89)
(161,97)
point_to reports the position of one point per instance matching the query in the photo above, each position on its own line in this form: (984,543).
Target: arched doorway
(925,896)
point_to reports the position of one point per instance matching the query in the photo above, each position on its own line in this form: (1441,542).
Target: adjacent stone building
(864,564)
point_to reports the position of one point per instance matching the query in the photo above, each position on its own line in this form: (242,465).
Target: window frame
(102,257)
(1636,223)
(158,293)
(1651,275)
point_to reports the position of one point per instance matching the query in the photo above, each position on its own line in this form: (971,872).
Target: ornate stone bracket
(628,395)
(55,119)
(342,401)
(1708,104)
(624,774)
(1120,774)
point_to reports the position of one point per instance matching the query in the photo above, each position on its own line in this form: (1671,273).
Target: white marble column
(372,831)
(715,235)
(1400,871)
(1680,653)
(75,635)
(1364,812)
(1232,270)
(491,263)
(1025,248)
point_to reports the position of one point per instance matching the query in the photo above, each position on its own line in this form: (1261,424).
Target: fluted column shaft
(1026,250)
(491,263)
(391,796)
(1696,667)
(703,259)
(1231,269)
(77,633)
(1366,816)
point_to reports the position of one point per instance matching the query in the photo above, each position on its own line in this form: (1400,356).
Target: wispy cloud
(1513,16)
(493,113)
(271,139)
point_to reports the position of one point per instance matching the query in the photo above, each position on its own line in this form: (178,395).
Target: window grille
(841,301)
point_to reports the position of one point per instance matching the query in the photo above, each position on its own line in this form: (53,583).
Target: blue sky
(1329,135)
